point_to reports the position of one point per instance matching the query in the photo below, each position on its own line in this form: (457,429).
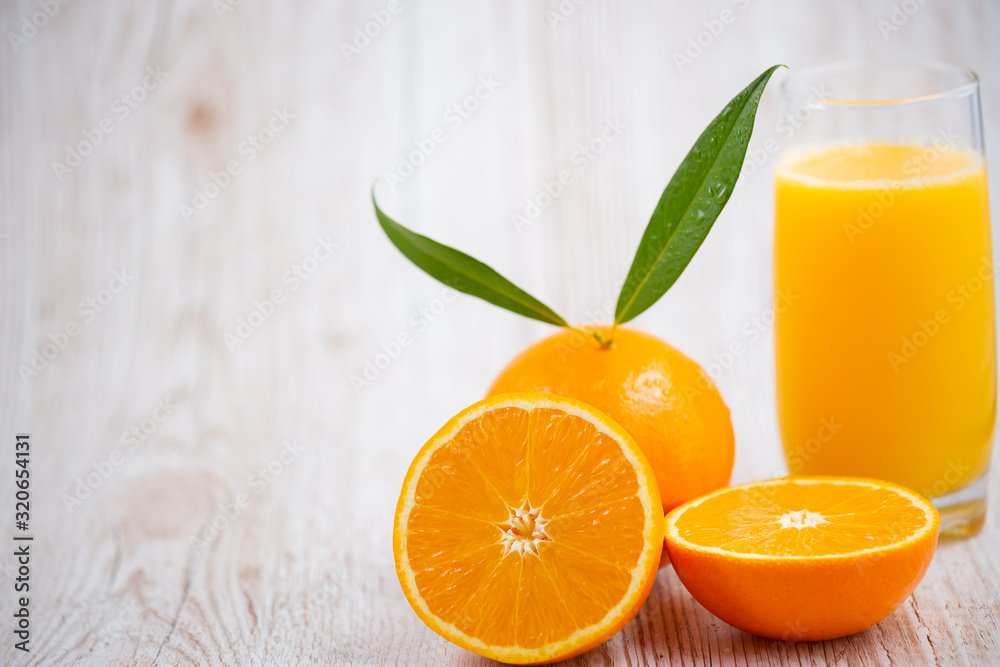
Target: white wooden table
(201,358)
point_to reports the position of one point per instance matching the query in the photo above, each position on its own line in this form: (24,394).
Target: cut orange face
(529,529)
(803,558)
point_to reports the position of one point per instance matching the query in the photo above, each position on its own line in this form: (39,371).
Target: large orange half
(529,529)
(803,558)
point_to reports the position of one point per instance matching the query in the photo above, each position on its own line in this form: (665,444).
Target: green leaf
(463,273)
(690,203)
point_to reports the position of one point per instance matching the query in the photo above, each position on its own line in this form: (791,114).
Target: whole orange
(663,399)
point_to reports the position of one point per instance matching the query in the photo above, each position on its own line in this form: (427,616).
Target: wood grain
(299,570)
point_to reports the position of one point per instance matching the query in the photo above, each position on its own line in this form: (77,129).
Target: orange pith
(803,558)
(528,529)
(661,397)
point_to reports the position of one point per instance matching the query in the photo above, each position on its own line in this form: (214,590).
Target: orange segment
(803,558)
(528,529)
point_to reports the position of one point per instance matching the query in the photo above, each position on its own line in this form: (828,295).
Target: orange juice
(885,353)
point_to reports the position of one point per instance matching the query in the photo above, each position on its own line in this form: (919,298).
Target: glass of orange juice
(885,339)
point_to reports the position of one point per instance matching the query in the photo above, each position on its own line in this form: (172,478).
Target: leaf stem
(606,343)
(609,343)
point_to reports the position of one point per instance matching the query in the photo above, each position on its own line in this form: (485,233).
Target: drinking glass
(885,339)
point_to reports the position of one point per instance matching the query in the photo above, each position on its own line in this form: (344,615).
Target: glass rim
(798,79)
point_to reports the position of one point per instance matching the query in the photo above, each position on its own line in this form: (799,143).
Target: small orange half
(529,529)
(803,558)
